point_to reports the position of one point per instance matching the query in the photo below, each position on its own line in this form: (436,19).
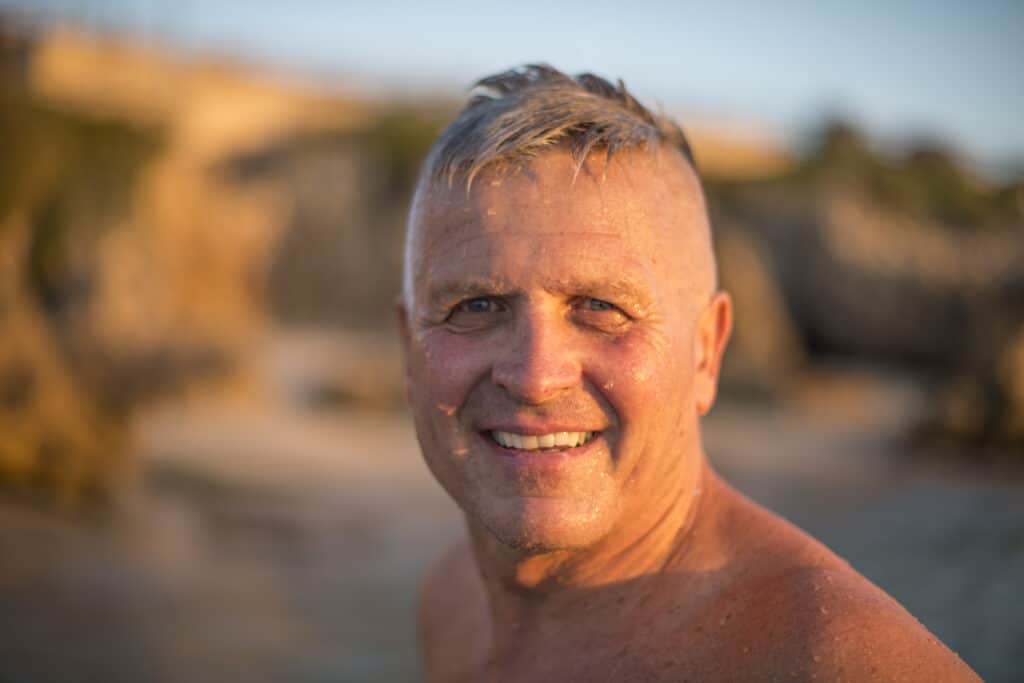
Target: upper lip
(538,429)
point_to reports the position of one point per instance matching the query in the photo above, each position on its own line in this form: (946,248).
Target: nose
(538,361)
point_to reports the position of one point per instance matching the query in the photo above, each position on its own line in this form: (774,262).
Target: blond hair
(520,113)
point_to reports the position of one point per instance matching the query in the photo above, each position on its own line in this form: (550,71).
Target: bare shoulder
(860,633)
(449,615)
(805,612)
(829,624)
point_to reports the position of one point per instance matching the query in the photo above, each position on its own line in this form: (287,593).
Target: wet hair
(516,115)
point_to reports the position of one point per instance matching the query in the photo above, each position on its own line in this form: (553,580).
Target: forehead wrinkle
(623,285)
(442,243)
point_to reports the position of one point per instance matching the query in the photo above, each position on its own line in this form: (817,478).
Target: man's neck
(526,590)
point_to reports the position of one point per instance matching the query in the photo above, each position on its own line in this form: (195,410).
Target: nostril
(536,380)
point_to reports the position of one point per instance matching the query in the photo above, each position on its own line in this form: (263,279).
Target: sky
(951,71)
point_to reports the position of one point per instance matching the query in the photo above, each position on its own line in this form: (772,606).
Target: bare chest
(621,652)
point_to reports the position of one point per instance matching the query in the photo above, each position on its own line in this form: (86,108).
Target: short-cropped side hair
(520,113)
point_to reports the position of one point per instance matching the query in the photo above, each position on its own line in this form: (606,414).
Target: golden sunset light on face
(542,306)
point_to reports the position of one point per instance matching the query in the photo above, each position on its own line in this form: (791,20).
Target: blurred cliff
(193,230)
(908,260)
(158,218)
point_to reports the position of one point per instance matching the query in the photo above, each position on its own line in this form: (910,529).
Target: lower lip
(543,458)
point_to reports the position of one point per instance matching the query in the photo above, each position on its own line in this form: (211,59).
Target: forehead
(638,210)
(632,185)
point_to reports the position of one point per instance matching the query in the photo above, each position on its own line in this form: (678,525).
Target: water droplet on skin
(817,658)
(823,610)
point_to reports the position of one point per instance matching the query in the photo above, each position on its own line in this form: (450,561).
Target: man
(563,334)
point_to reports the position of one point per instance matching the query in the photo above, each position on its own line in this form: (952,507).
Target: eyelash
(592,304)
(467,304)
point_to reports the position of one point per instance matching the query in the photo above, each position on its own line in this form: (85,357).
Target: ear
(713,329)
(402,317)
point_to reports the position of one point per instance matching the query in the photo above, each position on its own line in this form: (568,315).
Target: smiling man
(563,335)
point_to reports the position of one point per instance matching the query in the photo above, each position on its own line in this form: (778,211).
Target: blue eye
(478,305)
(599,314)
(476,314)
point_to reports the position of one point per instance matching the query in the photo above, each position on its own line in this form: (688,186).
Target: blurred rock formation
(134,264)
(910,260)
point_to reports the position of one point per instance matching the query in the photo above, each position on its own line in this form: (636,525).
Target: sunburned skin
(744,597)
(562,339)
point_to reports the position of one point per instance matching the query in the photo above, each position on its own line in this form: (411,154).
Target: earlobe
(714,328)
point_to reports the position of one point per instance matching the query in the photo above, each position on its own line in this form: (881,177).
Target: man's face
(556,364)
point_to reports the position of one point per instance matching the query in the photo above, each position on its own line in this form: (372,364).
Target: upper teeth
(535,442)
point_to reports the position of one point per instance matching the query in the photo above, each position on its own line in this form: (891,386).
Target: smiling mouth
(554,441)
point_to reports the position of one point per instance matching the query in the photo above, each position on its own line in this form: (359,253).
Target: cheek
(444,369)
(650,385)
(642,371)
(432,387)
(442,374)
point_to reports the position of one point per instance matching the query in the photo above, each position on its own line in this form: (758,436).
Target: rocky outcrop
(766,352)
(135,265)
(871,282)
(55,437)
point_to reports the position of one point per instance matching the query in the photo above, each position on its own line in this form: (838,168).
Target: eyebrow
(625,288)
(464,289)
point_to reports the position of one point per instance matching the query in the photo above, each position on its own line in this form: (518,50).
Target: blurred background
(206,469)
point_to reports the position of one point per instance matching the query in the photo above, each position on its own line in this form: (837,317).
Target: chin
(542,525)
